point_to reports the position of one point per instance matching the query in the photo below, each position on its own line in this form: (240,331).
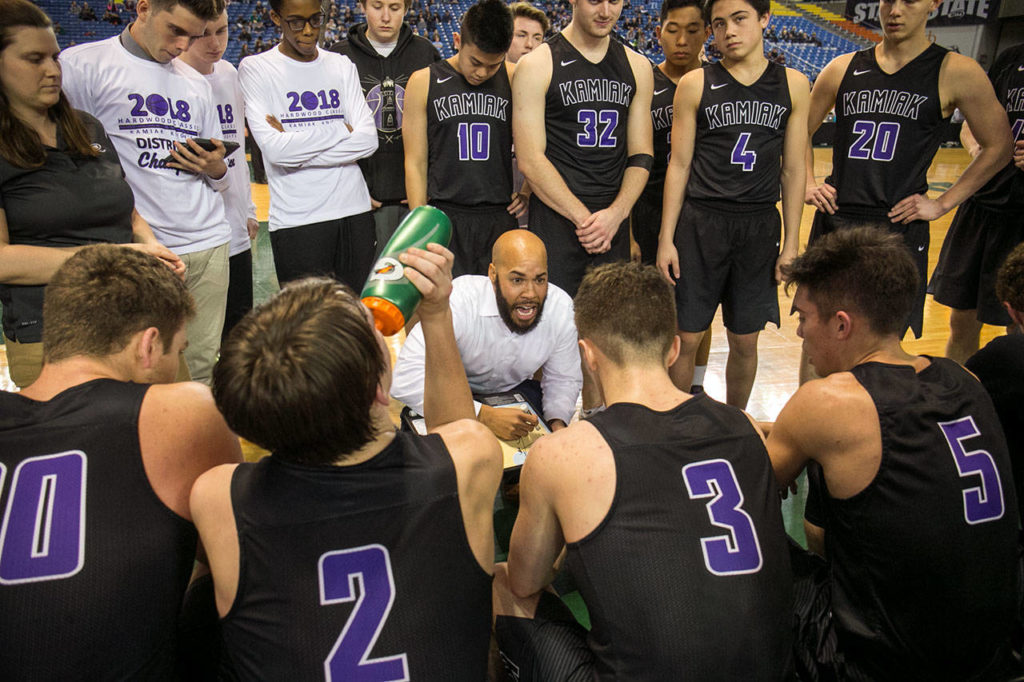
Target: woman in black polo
(61,184)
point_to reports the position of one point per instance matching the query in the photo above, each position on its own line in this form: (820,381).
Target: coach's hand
(166,256)
(507,423)
(668,261)
(430,271)
(518,206)
(194,159)
(597,231)
(822,197)
(916,207)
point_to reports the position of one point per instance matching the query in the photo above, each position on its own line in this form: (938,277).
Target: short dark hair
(488,25)
(863,270)
(762,7)
(669,5)
(299,374)
(528,11)
(1010,279)
(628,310)
(208,10)
(105,294)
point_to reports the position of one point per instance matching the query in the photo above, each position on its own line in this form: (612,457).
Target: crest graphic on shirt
(386,100)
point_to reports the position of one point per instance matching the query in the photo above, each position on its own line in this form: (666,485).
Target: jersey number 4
(340,571)
(983,502)
(43,533)
(738,551)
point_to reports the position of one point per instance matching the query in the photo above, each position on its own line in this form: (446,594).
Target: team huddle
(602,210)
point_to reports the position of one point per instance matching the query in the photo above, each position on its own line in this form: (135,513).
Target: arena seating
(836,34)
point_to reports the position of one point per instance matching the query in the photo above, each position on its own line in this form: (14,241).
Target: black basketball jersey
(661,117)
(357,572)
(737,152)
(586,112)
(923,560)
(688,576)
(469,138)
(93,566)
(888,127)
(1005,190)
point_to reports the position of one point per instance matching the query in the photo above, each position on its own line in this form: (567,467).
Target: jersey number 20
(370,567)
(739,551)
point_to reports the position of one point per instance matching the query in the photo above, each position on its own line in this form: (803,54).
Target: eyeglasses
(298,23)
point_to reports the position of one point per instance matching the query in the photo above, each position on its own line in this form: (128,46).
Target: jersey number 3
(739,551)
(370,567)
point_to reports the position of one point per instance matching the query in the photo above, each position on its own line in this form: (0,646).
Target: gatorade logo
(387,269)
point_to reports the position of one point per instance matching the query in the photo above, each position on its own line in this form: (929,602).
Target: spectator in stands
(87,13)
(61,184)
(74,7)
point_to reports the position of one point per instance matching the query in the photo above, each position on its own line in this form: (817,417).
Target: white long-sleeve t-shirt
(144,107)
(311,166)
(497,359)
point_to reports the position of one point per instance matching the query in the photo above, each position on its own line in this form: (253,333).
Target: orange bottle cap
(386,315)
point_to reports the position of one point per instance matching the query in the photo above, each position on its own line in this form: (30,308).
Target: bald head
(517,247)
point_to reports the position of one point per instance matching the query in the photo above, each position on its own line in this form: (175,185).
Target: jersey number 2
(983,502)
(739,551)
(370,566)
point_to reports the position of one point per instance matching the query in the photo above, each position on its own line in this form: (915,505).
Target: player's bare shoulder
(797,81)
(471,444)
(534,67)
(640,65)
(689,89)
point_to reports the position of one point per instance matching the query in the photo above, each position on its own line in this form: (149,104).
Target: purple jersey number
(474,141)
(43,533)
(606,119)
(1017,125)
(739,552)
(983,502)
(741,155)
(340,570)
(875,142)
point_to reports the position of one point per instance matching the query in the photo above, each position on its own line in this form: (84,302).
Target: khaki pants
(24,361)
(206,276)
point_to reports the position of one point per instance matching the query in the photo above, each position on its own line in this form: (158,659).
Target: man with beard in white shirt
(205,56)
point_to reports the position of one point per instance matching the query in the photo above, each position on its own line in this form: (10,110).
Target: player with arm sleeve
(307,113)
(738,136)
(673,534)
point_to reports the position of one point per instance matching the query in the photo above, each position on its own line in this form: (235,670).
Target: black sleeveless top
(661,117)
(688,576)
(93,566)
(469,138)
(1005,191)
(362,570)
(923,560)
(586,111)
(737,154)
(888,127)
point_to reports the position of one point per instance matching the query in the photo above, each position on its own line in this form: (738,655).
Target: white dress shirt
(497,359)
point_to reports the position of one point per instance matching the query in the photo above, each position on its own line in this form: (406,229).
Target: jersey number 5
(43,534)
(370,566)
(983,502)
(739,551)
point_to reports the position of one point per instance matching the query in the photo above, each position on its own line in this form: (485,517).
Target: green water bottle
(388,293)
